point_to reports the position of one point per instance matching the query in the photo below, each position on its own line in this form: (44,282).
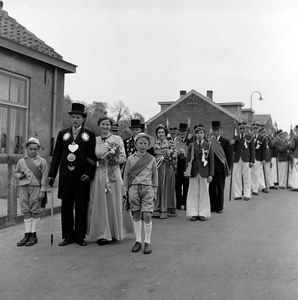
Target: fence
(10,213)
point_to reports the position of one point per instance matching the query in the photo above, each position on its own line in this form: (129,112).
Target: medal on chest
(73,147)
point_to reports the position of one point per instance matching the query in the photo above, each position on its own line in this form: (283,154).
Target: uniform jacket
(244,147)
(269,145)
(260,148)
(197,164)
(86,149)
(281,149)
(294,145)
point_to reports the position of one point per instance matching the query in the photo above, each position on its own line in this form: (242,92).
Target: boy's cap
(33,140)
(142,135)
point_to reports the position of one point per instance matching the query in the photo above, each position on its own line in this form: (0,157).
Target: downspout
(54,105)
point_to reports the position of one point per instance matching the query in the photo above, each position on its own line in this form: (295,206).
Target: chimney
(210,95)
(182,93)
(1,5)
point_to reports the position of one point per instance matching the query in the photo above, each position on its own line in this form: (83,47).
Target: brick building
(31,88)
(196,108)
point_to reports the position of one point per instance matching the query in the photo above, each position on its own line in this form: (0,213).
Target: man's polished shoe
(137,247)
(194,218)
(102,242)
(147,248)
(273,187)
(81,242)
(66,242)
(254,193)
(238,198)
(246,198)
(265,191)
(294,190)
(201,218)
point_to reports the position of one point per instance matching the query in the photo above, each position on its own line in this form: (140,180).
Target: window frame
(9,105)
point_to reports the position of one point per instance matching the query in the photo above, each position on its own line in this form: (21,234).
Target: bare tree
(120,111)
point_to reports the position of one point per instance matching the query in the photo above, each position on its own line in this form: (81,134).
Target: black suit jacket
(86,149)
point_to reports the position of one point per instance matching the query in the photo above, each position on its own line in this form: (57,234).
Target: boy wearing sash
(140,183)
(32,172)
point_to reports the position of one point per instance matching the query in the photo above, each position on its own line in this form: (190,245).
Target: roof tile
(12,30)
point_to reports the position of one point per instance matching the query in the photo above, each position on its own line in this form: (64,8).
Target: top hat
(135,123)
(183,127)
(199,127)
(78,108)
(215,125)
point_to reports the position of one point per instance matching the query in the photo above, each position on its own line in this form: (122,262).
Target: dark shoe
(238,198)
(66,242)
(201,218)
(219,211)
(294,190)
(254,193)
(147,248)
(82,243)
(265,191)
(246,198)
(137,247)
(282,187)
(24,240)
(32,240)
(102,242)
(194,218)
(273,187)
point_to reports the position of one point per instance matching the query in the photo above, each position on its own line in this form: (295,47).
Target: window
(13,112)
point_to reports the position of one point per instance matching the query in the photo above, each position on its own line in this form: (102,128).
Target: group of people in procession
(109,186)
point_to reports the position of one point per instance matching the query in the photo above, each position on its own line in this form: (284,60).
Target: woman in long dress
(107,219)
(166,159)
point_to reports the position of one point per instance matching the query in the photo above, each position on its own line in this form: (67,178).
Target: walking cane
(288,169)
(277,172)
(265,177)
(52,215)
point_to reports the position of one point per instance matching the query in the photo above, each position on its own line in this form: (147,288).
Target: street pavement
(250,251)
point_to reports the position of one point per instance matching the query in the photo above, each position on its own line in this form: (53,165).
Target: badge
(71,168)
(85,136)
(71,157)
(73,147)
(66,136)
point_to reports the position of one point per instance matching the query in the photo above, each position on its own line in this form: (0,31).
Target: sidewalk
(249,252)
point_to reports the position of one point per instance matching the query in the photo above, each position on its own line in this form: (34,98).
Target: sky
(143,52)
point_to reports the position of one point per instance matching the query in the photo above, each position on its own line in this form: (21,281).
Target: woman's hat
(135,123)
(78,108)
(215,125)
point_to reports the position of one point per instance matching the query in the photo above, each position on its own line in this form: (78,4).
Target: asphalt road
(250,251)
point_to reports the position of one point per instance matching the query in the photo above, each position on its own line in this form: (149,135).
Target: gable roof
(262,119)
(184,97)
(16,37)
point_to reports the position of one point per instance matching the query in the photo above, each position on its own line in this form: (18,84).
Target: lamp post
(261,98)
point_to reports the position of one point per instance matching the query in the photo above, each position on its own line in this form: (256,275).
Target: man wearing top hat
(257,175)
(74,156)
(222,165)
(181,182)
(244,158)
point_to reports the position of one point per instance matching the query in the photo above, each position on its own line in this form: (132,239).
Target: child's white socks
(138,230)
(147,229)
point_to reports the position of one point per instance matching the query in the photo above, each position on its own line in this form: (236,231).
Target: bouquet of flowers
(113,154)
(171,157)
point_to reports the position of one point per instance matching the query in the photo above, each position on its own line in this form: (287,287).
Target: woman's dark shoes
(102,242)
(137,247)
(66,242)
(201,218)
(82,243)
(194,218)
